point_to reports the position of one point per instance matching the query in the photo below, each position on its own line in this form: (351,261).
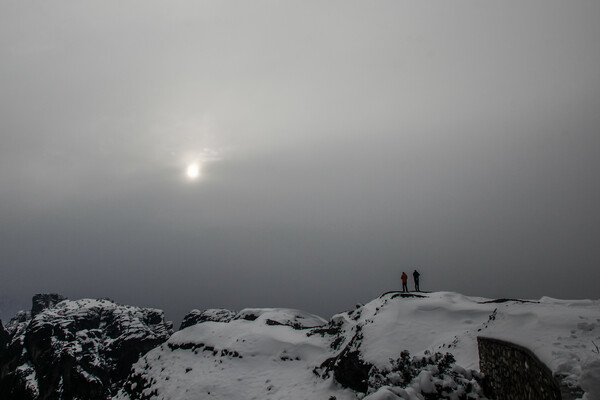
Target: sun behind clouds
(193,171)
(194,164)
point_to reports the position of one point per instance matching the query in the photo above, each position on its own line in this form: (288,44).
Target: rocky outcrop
(81,349)
(214,315)
(348,366)
(295,319)
(351,371)
(40,302)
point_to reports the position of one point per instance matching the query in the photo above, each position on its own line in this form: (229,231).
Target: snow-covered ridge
(386,349)
(398,346)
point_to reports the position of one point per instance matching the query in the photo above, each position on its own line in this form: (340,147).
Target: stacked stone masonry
(514,372)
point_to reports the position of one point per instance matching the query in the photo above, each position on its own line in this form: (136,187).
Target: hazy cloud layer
(344,142)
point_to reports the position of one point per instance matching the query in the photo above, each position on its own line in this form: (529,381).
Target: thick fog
(338,144)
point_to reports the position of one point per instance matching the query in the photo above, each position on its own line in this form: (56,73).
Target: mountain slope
(392,347)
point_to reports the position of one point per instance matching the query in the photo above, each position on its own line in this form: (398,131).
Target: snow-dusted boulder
(214,315)
(271,316)
(80,349)
(282,316)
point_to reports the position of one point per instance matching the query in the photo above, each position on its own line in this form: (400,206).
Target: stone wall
(514,372)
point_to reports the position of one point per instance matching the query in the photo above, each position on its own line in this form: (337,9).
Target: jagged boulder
(81,349)
(214,315)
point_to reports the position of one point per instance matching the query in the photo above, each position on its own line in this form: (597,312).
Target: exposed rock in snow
(282,316)
(76,349)
(349,370)
(271,316)
(44,301)
(215,315)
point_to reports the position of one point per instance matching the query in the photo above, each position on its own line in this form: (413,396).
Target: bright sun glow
(193,163)
(193,171)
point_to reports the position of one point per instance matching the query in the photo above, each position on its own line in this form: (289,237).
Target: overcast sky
(339,143)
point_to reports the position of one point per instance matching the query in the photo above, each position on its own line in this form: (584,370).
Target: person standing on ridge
(416,275)
(404,278)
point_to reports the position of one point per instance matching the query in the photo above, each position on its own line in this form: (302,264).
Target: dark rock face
(214,315)
(348,367)
(80,349)
(44,301)
(4,337)
(351,371)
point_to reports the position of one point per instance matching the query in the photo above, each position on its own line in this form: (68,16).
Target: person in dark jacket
(416,275)
(404,278)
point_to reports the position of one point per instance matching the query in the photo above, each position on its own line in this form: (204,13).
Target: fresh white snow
(252,358)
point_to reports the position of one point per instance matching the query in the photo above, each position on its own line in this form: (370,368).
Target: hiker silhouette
(416,276)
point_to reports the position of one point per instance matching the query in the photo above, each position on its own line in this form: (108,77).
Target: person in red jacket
(404,278)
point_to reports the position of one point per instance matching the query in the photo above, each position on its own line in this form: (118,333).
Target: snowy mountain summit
(82,349)
(398,346)
(421,346)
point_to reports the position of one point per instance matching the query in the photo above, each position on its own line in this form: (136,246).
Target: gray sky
(339,143)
